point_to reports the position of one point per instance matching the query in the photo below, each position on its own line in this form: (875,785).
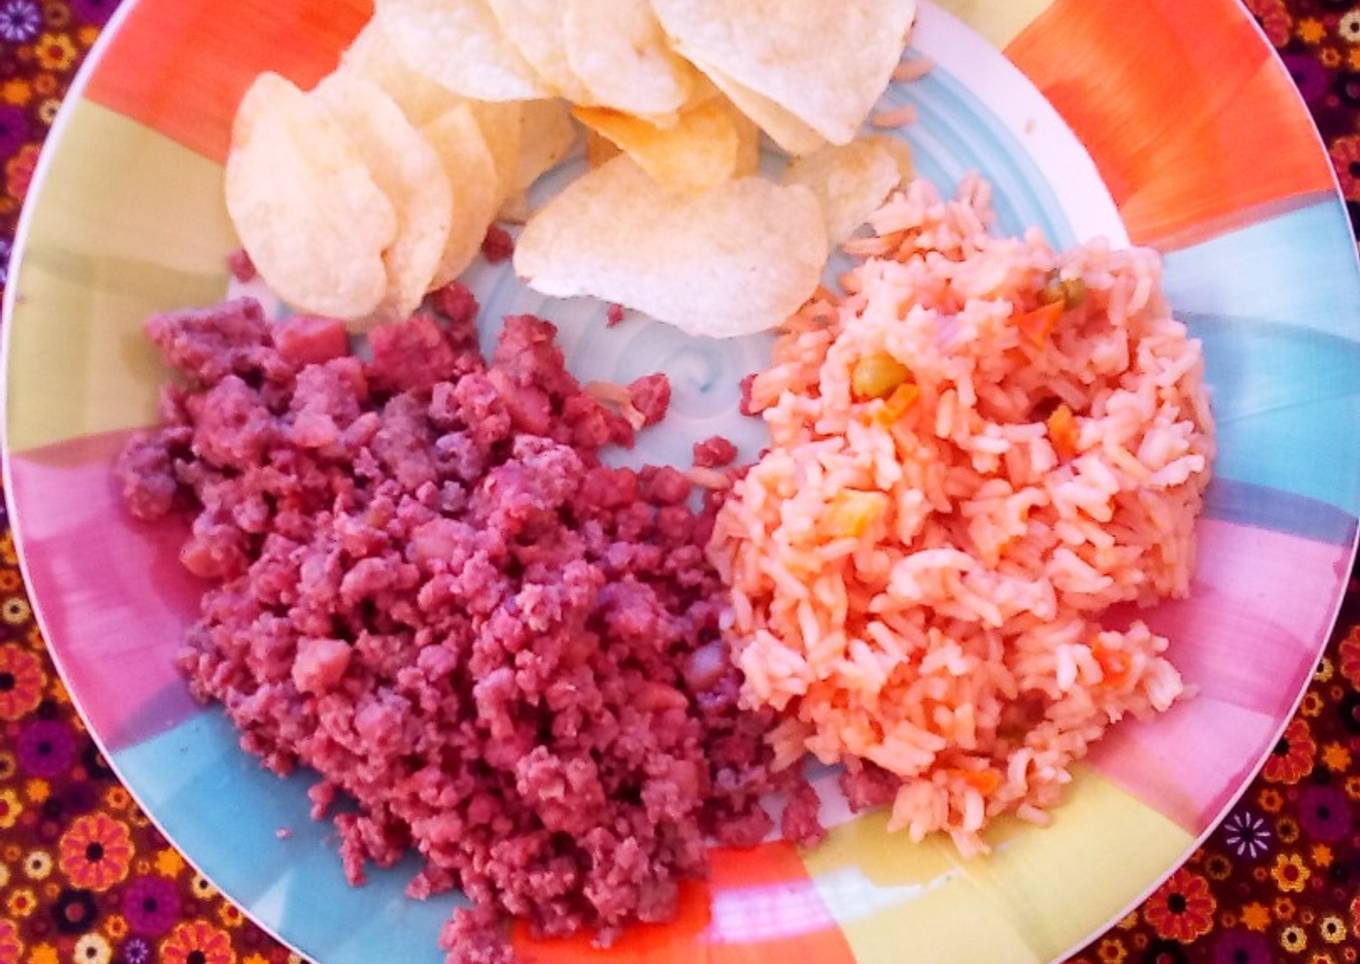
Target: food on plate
(537,28)
(409,172)
(460,45)
(735,259)
(599,149)
(700,150)
(547,135)
(424,584)
(786,130)
(373,56)
(309,213)
(619,52)
(825,63)
(502,127)
(470,167)
(851,182)
(522,67)
(977,451)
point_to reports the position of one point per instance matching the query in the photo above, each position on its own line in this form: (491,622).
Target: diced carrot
(853,512)
(984,782)
(1115,664)
(1038,324)
(899,402)
(1062,431)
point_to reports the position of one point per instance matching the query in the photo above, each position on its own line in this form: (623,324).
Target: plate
(1160,123)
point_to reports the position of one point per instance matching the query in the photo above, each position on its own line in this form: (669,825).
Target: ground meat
(497,246)
(800,822)
(241,267)
(746,406)
(651,395)
(714,453)
(425,586)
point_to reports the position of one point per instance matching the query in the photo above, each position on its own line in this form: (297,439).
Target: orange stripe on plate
(771,910)
(679,942)
(773,882)
(181,66)
(1192,121)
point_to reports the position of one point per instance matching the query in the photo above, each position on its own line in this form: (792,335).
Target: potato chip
(467,160)
(850,181)
(736,259)
(515,208)
(373,56)
(786,130)
(748,141)
(600,150)
(901,155)
(698,152)
(502,127)
(618,50)
(547,134)
(458,43)
(409,172)
(307,209)
(826,62)
(537,29)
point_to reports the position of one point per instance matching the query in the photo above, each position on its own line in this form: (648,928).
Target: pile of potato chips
(358,197)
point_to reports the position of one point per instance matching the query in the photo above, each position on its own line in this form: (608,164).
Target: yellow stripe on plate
(1039,893)
(125,223)
(1000,21)
(901,902)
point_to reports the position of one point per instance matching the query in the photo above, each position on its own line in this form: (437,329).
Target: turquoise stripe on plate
(209,797)
(957,134)
(1297,268)
(1286,399)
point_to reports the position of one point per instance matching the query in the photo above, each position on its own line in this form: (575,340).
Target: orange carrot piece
(1038,324)
(899,402)
(1062,431)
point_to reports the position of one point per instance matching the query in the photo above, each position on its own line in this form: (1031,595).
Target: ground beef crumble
(425,585)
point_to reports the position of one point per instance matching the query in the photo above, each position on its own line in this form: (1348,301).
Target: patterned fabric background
(85,878)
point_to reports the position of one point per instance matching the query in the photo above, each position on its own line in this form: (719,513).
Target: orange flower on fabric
(1346,153)
(16,92)
(95,852)
(10,808)
(1292,758)
(1275,19)
(1182,909)
(1256,916)
(1336,758)
(55,51)
(168,862)
(21,682)
(197,942)
(1111,951)
(1290,873)
(1311,30)
(22,902)
(10,945)
(19,171)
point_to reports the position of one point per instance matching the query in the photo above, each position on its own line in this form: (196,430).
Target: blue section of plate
(210,797)
(1275,306)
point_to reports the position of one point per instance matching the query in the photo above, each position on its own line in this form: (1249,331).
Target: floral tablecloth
(85,878)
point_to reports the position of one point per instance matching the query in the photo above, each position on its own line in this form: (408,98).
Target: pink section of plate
(115,599)
(1248,647)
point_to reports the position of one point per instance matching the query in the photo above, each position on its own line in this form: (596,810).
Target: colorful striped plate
(1160,122)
